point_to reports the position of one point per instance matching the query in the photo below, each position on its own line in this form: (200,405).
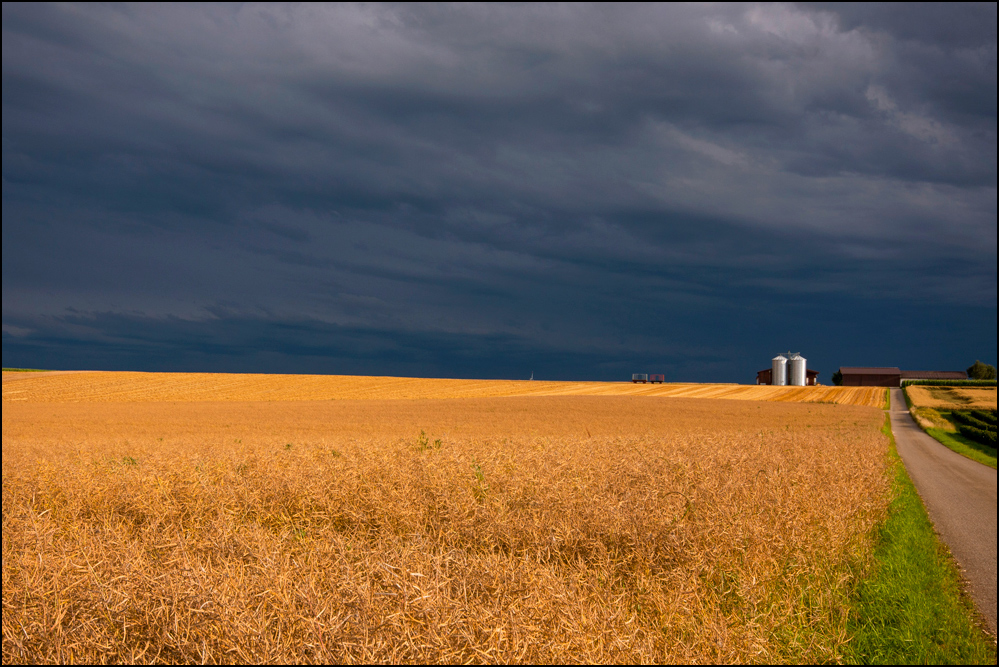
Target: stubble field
(952,398)
(574,528)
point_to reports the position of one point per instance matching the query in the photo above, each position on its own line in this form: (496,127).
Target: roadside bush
(989,417)
(971,426)
(976,425)
(968,419)
(980,436)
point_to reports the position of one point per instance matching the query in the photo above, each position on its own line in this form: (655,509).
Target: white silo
(796,374)
(778,371)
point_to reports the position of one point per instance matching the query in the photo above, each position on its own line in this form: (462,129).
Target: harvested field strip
(540,529)
(953,398)
(98,387)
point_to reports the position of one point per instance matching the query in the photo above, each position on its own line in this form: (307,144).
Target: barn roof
(862,370)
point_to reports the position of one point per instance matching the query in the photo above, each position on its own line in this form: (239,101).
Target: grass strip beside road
(23,370)
(963,446)
(912,610)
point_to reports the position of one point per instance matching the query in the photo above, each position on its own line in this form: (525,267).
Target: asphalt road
(960,497)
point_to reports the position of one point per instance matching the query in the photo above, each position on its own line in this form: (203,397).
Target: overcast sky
(579,191)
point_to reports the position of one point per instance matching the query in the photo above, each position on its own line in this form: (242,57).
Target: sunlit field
(953,398)
(371,525)
(139,387)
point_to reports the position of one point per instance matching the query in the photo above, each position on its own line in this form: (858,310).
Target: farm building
(766,377)
(892,376)
(788,369)
(871,377)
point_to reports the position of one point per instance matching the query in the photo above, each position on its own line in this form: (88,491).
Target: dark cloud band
(590,184)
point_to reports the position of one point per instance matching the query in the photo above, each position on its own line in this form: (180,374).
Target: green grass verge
(908,401)
(23,370)
(964,446)
(911,610)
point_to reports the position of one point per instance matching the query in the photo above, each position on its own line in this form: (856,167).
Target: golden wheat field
(141,527)
(953,398)
(157,387)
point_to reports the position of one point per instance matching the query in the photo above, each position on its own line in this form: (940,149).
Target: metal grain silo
(778,371)
(796,374)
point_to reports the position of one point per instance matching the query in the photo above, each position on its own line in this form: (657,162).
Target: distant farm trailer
(645,377)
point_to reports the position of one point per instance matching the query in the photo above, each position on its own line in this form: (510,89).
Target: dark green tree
(980,371)
(837,378)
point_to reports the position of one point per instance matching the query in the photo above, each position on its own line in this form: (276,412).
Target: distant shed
(871,377)
(891,376)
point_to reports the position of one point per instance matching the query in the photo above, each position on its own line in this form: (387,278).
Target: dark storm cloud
(588,187)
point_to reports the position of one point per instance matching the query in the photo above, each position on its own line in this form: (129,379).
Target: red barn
(855,376)
(891,376)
